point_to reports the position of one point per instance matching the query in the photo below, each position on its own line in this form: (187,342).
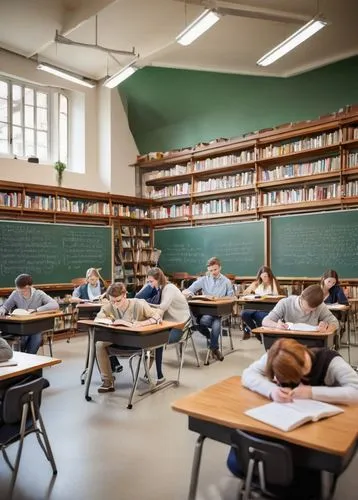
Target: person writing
(306,308)
(27,297)
(332,292)
(93,289)
(264,284)
(136,311)
(172,303)
(216,284)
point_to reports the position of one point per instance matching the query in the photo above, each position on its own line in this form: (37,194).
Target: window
(25,122)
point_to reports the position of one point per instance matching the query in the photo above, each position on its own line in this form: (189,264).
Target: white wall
(101,138)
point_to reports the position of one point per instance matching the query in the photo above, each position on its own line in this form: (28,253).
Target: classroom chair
(181,346)
(20,416)
(14,341)
(47,339)
(266,466)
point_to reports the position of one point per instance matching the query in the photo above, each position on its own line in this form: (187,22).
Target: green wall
(172,108)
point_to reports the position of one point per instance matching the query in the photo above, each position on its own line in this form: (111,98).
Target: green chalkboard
(53,253)
(307,245)
(240,247)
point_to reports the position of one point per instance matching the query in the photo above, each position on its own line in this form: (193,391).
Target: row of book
(40,202)
(352,160)
(352,133)
(12,199)
(223,206)
(170,172)
(171,212)
(82,206)
(319,141)
(351,188)
(120,210)
(224,161)
(171,190)
(299,169)
(226,182)
(313,193)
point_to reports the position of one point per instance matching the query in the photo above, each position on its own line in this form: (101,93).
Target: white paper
(303,327)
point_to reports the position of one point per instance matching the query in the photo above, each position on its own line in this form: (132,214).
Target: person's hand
(281,395)
(322,326)
(281,324)
(302,392)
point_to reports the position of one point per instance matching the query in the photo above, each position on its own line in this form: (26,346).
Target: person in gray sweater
(5,350)
(307,308)
(175,308)
(27,297)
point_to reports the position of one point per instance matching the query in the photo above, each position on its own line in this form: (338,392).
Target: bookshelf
(295,167)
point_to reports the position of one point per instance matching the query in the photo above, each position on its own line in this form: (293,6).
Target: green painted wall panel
(172,108)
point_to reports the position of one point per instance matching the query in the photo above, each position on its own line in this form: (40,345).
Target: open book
(114,322)
(336,307)
(20,312)
(288,416)
(303,327)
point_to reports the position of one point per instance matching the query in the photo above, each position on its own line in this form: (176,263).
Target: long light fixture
(67,76)
(201,24)
(119,77)
(291,42)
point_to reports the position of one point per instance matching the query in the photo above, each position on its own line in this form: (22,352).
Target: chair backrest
(19,394)
(276,459)
(78,282)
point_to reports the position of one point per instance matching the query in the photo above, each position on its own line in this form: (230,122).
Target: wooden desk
(26,363)
(328,445)
(265,303)
(142,338)
(28,325)
(216,307)
(310,339)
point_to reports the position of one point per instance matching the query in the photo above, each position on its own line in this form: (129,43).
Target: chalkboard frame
(332,264)
(107,270)
(249,272)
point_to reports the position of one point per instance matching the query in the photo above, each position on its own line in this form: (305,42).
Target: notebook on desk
(289,416)
(20,312)
(303,327)
(113,322)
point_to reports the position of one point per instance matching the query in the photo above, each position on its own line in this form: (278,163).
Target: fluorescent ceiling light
(201,24)
(119,77)
(67,76)
(291,42)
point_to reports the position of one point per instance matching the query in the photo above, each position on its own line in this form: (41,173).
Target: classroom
(179,235)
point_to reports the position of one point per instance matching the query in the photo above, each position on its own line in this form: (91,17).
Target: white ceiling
(233,45)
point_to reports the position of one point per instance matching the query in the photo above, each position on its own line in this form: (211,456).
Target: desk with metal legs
(265,303)
(86,310)
(310,339)
(143,338)
(328,445)
(28,325)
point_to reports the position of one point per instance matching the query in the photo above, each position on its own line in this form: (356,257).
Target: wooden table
(328,445)
(26,363)
(310,339)
(29,324)
(86,310)
(265,303)
(143,338)
(215,307)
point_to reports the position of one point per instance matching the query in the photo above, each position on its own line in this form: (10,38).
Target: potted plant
(60,167)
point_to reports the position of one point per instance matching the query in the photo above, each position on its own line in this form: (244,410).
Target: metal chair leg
(194,349)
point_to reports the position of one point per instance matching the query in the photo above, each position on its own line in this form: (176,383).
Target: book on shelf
(302,327)
(289,416)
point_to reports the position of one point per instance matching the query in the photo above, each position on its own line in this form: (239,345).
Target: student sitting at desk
(265,284)
(332,292)
(27,297)
(171,301)
(119,307)
(306,308)
(5,350)
(216,284)
(291,370)
(92,289)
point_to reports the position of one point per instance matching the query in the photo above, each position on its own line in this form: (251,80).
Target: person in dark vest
(290,370)
(92,289)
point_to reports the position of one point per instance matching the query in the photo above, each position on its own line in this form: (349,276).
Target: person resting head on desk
(306,308)
(264,284)
(332,292)
(136,311)
(166,296)
(216,284)
(290,370)
(27,297)
(5,350)
(94,287)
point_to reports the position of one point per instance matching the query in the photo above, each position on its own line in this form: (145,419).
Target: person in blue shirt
(216,284)
(332,292)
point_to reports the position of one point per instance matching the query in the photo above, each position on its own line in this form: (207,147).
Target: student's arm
(76,294)
(105,311)
(47,302)
(152,316)
(194,287)
(254,378)
(5,350)
(229,289)
(341,375)
(276,317)
(168,295)
(144,293)
(251,288)
(326,317)
(341,298)
(9,304)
